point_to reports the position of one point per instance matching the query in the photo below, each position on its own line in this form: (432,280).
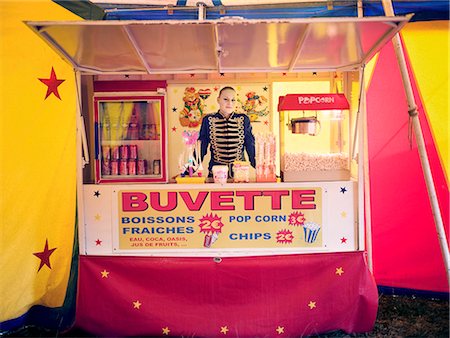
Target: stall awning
(219,46)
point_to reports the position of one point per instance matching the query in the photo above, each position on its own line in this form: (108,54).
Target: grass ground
(411,317)
(398,316)
(407,316)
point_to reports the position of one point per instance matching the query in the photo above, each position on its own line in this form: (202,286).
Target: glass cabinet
(130,138)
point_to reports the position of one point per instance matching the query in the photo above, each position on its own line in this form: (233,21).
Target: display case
(314,137)
(130,138)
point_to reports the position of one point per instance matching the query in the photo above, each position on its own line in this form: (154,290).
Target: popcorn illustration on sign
(311,230)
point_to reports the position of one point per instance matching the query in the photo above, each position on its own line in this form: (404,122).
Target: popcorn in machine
(314,134)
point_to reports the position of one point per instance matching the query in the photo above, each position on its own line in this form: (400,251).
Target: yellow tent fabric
(432,39)
(429,38)
(38,162)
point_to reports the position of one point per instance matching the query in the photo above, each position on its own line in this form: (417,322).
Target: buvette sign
(220,219)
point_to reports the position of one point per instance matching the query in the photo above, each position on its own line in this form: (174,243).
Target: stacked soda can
(141,167)
(123,160)
(106,160)
(132,159)
(124,155)
(115,157)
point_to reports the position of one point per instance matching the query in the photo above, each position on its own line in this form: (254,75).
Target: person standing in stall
(227,133)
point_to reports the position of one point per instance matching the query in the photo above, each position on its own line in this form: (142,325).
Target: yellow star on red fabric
(312,305)
(52,84)
(280,329)
(224,329)
(339,271)
(105,274)
(44,256)
(137,304)
(165,330)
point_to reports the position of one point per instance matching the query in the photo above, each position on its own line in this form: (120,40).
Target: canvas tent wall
(406,248)
(37,172)
(47,290)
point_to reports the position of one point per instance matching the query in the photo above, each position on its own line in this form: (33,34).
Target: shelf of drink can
(130,176)
(125,142)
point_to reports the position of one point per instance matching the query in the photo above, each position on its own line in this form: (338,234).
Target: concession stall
(278,250)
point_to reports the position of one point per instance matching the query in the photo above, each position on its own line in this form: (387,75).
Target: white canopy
(219,46)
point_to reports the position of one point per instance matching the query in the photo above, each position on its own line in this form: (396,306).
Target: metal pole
(360,9)
(80,165)
(358,113)
(201,11)
(412,110)
(366,176)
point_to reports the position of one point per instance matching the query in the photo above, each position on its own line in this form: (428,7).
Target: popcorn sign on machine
(314,137)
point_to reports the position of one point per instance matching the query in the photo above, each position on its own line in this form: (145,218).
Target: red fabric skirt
(286,295)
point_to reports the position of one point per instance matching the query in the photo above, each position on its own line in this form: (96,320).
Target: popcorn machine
(314,131)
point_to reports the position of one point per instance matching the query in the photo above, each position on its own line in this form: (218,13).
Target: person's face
(227,101)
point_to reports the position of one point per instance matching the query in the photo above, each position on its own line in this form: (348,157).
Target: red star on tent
(44,256)
(52,83)
(174,128)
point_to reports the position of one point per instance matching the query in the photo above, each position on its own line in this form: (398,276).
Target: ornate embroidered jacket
(227,139)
